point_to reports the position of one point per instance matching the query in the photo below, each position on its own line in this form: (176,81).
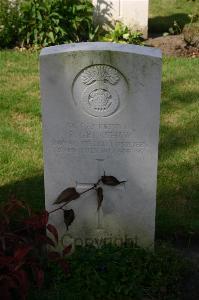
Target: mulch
(173,45)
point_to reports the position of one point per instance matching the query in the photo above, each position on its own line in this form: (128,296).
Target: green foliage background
(9,17)
(45,22)
(49,22)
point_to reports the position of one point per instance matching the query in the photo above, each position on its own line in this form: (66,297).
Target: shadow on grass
(181,134)
(30,190)
(177,193)
(161,24)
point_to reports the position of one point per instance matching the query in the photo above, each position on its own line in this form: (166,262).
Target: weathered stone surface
(100,111)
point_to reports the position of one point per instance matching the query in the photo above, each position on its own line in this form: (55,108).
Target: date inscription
(84,138)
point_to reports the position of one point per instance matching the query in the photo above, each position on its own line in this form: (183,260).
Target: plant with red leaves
(23,252)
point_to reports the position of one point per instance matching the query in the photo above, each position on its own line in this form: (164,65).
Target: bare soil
(173,45)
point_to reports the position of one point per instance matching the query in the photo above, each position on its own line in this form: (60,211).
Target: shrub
(122,34)
(50,22)
(9,17)
(191,34)
(175,29)
(45,22)
(23,255)
(42,23)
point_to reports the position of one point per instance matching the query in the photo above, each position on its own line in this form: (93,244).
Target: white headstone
(100,114)
(133,13)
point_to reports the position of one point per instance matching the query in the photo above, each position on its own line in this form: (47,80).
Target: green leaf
(55,14)
(63,32)
(39,17)
(126,36)
(51,36)
(28,38)
(35,32)
(56,21)
(80,7)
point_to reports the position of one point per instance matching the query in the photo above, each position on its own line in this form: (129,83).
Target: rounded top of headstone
(102,46)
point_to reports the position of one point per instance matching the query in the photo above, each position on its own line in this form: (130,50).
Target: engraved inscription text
(92,138)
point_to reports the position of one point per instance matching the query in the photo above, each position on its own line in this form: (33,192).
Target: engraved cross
(81,187)
(85,186)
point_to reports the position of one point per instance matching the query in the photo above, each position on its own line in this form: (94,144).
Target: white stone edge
(102,46)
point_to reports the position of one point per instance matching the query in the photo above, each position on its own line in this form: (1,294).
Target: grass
(163,13)
(178,175)
(21,171)
(20,127)
(112,273)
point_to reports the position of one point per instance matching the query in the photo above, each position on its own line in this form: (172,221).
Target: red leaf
(45,217)
(67,250)
(5,291)
(39,276)
(45,240)
(6,260)
(22,251)
(53,230)
(6,220)
(54,256)
(64,265)
(22,279)
(13,205)
(9,236)
(7,281)
(38,221)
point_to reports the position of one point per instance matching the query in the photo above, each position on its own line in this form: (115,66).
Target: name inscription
(95,138)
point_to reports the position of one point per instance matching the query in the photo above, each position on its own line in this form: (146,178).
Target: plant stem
(62,206)
(92,188)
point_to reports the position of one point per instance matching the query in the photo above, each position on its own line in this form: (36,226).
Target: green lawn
(21,171)
(163,13)
(178,176)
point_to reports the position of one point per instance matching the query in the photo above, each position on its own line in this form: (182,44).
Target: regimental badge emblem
(97,90)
